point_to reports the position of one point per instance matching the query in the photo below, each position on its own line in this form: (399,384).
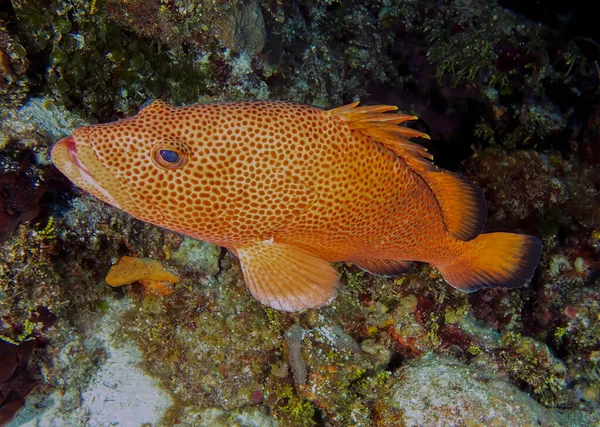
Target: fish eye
(169,156)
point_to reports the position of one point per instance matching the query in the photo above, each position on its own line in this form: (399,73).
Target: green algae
(96,66)
(533,363)
(463,56)
(201,255)
(301,411)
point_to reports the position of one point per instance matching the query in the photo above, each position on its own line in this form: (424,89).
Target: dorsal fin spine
(372,122)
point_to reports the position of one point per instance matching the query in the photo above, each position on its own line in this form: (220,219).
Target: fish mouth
(67,156)
(71,147)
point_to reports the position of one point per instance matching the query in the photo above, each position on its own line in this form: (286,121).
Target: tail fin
(494,260)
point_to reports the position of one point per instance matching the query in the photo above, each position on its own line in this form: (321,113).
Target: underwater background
(509,93)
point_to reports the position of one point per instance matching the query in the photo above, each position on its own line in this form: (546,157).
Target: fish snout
(68,146)
(69,143)
(62,144)
(75,158)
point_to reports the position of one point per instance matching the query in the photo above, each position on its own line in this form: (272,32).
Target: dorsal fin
(461,202)
(371,121)
(156,105)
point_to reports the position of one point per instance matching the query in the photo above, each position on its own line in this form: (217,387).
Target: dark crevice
(396,361)
(573,19)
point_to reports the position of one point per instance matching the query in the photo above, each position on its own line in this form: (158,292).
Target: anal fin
(383,267)
(286,277)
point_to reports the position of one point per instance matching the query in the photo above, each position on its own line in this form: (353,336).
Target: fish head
(135,164)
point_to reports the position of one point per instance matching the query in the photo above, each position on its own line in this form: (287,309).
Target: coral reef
(510,103)
(440,391)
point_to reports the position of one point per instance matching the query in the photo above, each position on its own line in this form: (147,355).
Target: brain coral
(243,28)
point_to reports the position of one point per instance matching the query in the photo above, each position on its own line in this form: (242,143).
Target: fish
(290,188)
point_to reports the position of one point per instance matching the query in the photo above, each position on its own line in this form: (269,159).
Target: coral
(574,318)
(216,417)
(524,184)
(333,50)
(337,337)
(148,18)
(14,64)
(119,71)
(201,255)
(338,382)
(379,350)
(533,363)
(299,410)
(243,28)
(45,117)
(173,23)
(409,330)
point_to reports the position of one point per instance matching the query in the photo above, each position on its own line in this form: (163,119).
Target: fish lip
(71,145)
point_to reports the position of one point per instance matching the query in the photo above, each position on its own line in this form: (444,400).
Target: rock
(440,391)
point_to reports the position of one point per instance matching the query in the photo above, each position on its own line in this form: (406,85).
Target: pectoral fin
(285,277)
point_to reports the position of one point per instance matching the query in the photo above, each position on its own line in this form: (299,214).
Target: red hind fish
(290,188)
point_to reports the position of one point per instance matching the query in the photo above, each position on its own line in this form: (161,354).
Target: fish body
(290,188)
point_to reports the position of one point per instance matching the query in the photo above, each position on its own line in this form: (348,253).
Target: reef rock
(440,391)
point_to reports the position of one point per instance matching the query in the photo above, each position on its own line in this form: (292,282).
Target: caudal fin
(494,260)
